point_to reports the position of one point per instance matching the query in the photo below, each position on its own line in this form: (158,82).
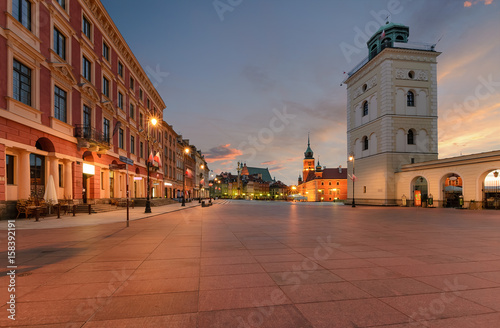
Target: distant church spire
(309,153)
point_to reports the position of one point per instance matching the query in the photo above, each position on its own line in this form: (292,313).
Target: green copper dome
(385,37)
(309,153)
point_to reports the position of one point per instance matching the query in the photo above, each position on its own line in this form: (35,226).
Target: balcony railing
(90,134)
(401,45)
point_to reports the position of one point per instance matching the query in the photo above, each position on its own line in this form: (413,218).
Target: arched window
(400,38)
(365,142)
(373,51)
(386,43)
(365,108)
(411,137)
(410,99)
(338,183)
(330,183)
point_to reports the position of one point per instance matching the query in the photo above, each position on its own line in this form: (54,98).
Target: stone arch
(489,191)
(411,98)
(45,144)
(419,190)
(452,186)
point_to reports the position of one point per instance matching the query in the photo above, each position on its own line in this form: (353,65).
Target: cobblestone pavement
(257,264)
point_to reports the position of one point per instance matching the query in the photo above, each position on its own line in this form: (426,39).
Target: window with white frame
(86,27)
(21,10)
(22,83)
(105,86)
(132,111)
(120,69)
(365,143)
(105,129)
(120,139)
(105,51)
(60,104)
(87,69)
(120,100)
(62,3)
(59,44)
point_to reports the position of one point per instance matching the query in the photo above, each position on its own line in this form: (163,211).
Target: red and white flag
(382,36)
(352,177)
(157,158)
(150,157)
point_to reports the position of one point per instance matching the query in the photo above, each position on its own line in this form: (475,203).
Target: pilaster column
(68,179)
(54,171)
(23,191)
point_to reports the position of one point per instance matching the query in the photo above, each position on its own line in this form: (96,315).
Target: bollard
(59,211)
(36,215)
(90,208)
(74,209)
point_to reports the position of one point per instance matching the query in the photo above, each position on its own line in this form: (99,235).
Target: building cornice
(485,157)
(113,34)
(393,54)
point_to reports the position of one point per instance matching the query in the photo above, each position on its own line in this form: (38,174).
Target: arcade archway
(419,191)
(491,190)
(452,190)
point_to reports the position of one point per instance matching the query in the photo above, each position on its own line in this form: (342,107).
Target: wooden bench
(24,206)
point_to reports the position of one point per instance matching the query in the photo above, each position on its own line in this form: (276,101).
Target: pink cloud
(470,4)
(222,153)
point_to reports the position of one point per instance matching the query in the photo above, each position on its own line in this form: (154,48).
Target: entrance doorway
(85,188)
(452,190)
(491,188)
(111,184)
(37,176)
(420,191)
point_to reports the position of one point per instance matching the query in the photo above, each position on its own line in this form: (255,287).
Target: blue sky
(246,80)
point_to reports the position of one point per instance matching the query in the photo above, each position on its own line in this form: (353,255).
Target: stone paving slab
(258,264)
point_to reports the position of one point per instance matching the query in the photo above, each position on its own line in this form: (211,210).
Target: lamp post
(148,202)
(351,159)
(200,185)
(186,151)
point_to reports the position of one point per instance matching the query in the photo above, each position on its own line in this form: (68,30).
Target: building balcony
(91,138)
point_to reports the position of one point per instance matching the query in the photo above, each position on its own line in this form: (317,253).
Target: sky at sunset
(246,80)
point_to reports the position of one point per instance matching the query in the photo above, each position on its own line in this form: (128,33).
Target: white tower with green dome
(391,113)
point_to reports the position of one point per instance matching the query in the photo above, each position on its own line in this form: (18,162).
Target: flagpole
(351,158)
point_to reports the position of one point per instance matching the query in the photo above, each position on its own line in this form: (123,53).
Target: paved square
(261,264)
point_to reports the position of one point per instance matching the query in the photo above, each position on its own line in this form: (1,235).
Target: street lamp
(148,202)
(186,151)
(351,159)
(200,185)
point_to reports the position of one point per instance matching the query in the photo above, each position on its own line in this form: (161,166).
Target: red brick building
(320,183)
(73,100)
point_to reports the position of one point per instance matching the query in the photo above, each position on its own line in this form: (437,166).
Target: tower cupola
(386,37)
(308,153)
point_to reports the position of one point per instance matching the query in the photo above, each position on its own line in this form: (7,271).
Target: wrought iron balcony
(91,135)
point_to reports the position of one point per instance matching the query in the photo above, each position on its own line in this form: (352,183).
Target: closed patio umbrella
(50,195)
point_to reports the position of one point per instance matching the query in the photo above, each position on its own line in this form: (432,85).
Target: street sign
(113,167)
(126,160)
